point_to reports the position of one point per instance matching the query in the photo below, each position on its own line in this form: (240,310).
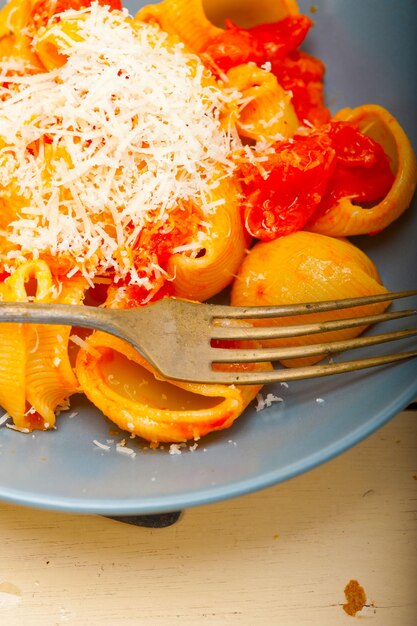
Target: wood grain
(279,557)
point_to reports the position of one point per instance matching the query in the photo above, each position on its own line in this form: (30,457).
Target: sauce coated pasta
(162,155)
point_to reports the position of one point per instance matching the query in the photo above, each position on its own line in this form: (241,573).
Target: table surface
(282,556)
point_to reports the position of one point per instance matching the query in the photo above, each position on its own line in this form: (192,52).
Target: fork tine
(302,373)
(218,311)
(296,330)
(221,355)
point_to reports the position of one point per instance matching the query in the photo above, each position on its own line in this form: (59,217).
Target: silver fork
(176,336)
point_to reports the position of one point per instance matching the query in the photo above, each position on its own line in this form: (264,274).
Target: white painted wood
(279,557)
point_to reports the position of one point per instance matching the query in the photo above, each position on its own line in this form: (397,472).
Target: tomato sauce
(309,174)
(277,43)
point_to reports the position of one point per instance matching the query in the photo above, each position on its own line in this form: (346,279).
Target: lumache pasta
(165,155)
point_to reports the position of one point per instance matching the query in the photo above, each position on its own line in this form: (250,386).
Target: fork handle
(120,323)
(58,314)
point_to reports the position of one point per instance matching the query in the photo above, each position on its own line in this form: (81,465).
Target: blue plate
(370,48)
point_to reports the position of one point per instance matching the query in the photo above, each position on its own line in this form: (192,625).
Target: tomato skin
(303,75)
(277,39)
(353,148)
(362,172)
(308,175)
(277,43)
(135,295)
(153,249)
(298,65)
(115,5)
(64,5)
(35,420)
(233,47)
(298,176)
(259,44)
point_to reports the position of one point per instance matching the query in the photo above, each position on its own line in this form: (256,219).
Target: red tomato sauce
(157,243)
(308,175)
(278,43)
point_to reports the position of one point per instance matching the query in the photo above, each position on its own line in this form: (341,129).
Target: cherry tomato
(259,44)
(353,148)
(297,179)
(277,42)
(155,246)
(302,75)
(298,65)
(279,38)
(233,47)
(362,171)
(309,174)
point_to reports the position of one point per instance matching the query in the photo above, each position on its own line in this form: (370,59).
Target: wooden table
(279,557)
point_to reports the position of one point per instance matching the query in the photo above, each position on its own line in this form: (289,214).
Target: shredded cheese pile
(115,138)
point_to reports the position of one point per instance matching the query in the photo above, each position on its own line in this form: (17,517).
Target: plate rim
(212,495)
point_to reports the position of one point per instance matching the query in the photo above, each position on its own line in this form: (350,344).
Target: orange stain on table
(355,596)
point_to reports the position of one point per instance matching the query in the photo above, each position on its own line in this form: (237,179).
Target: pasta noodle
(268,113)
(184,18)
(38,366)
(173,154)
(347,217)
(117,381)
(316,268)
(247,13)
(201,276)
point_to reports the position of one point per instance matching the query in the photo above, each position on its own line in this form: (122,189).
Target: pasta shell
(184,18)
(202,276)
(130,393)
(268,113)
(347,218)
(36,376)
(246,12)
(307,267)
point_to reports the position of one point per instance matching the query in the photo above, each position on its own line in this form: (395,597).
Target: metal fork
(177,336)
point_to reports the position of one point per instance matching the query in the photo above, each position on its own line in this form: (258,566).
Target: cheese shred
(100,148)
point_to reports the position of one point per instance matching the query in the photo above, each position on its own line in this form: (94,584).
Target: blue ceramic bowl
(370,48)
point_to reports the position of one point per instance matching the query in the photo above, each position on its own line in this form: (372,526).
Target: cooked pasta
(142,157)
(313,268)
(266,112)
(347,217)
(129,391)
(184,18)
(43,379)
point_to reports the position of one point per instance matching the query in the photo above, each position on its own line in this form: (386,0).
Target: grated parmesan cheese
(100,445)
(263,403)
(126,451)
(127,128)
(20,430)
(81,343)
(175,448)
